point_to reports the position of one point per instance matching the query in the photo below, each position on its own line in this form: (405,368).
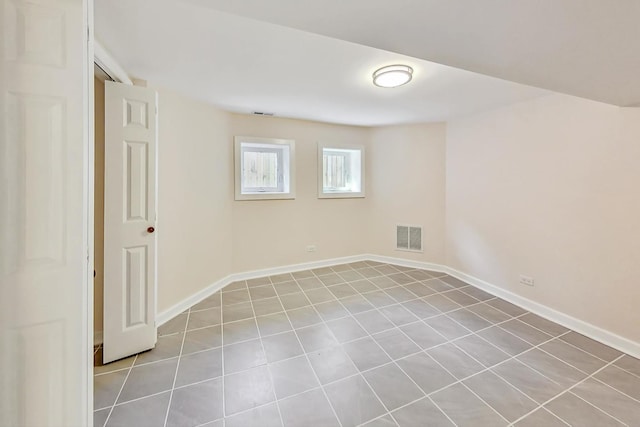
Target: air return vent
(409,238)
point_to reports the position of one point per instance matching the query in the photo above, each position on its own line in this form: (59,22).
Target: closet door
(45,213)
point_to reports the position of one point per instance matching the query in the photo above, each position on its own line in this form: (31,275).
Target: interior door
(129,220)
(45,222)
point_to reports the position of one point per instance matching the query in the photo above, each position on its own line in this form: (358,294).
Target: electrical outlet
(312,248)
(526,280)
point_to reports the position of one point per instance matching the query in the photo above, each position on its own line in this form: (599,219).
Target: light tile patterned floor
(366,344)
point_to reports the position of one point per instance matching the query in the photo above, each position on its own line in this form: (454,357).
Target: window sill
(265,196)
(341,195)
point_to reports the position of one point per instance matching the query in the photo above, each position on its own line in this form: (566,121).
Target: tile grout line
(255,320)
(568,390)
(224,411)
(324,392)
(421,320)
(359,373)
(392,361)
(418,320)
(615,389)
(120,392)
(551,338)
(466,378)
(175,375)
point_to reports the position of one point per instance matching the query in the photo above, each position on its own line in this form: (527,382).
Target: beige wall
(406,185)
(545,188)
(272,233)
(195,193)
(195,190)
(98,250)
(549,189)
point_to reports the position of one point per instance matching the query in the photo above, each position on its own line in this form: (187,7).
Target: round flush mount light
(392,76)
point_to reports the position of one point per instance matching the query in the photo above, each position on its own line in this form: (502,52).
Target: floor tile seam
(509,357)
(175,375)
(494,308)
(589,353)
(487,369)
(533,327)
(361,373)
(156,361)
(614,388)
(461,382)
(265,355)
(310,366)
(222,360)
(481,337)
(477,360)
(267,363)
(126,402)
(596,407)
(198,310)
(100,374)
(626,370)
(442,411)
(120,392)
(168,335)
(379,417)
(563,392)
(515,387)
(551,338)
(472,296)
(524,417)
(516,357)
(487,403)
(199,351)
(519,318)
(394,360)
(202,381)
(569,363)
(441,313)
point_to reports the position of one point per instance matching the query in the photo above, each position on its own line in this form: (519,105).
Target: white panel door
(45,224)
(129,221)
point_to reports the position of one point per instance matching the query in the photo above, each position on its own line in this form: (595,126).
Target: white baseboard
(97,338)
(606,337)
(166,315)
(611,339)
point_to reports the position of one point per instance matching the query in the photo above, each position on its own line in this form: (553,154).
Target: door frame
(90,205)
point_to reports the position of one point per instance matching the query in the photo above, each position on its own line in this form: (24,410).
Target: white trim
(609,338)
(320,172)
(88,212)
(287,149)
(592,331)
(108,64)
(170,313)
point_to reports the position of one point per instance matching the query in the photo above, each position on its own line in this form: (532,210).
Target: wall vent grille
(409,238)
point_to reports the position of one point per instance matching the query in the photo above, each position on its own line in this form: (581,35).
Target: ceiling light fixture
(392,76)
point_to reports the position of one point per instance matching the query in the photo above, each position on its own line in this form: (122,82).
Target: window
(264,168)
(340,171)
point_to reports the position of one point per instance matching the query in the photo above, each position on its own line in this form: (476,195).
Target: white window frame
(339,193)
(285,148)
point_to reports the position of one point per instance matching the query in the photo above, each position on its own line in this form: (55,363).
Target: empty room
(291,213)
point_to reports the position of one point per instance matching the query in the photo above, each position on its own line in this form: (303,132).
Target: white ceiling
(244,65)
(586,48)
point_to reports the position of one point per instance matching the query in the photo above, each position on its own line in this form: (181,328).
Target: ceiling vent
(409,238)
(262,113)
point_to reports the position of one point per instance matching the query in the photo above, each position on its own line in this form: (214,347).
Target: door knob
(150,230)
